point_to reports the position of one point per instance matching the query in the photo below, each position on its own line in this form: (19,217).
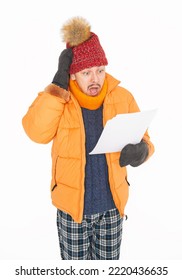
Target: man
(89,191)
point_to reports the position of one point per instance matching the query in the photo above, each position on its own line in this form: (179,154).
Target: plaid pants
(98,237)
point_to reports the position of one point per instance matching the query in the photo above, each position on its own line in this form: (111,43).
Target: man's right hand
(61,77)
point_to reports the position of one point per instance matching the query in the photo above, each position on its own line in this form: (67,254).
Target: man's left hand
(133,154)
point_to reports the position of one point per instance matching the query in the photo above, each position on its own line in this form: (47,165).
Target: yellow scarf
(86,101)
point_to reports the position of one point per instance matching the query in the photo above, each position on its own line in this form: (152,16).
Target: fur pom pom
(76,31)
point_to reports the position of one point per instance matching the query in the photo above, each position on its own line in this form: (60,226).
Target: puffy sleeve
(42,118)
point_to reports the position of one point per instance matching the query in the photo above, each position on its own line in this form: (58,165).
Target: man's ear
(72,76)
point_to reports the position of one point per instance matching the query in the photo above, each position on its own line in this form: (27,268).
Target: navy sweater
(98,197)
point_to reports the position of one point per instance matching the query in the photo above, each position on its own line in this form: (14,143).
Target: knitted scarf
(86,101)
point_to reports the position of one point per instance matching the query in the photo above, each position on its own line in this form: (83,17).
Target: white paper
(123,129)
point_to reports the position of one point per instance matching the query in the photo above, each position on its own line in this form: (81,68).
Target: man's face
(90,80)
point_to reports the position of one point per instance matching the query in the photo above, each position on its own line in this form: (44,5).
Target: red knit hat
(87,50)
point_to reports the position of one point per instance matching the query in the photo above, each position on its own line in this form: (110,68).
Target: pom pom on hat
(76,31)
(87,51)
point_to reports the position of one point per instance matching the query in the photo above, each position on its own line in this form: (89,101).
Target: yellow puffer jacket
(51,118)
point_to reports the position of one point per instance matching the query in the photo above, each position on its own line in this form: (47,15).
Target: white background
(143,43)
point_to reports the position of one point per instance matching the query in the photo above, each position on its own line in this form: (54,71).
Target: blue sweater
(98,197)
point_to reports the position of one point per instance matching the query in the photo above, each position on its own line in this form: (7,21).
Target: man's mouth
(94,90)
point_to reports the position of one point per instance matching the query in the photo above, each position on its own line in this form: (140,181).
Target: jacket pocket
(127,181)
(54,187)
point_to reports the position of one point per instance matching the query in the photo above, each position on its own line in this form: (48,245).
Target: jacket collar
(111,83)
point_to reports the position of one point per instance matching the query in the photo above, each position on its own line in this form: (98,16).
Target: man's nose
(94,78)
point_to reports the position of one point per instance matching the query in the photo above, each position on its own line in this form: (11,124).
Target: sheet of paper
(123,129)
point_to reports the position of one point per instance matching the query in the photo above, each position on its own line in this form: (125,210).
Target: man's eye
(101,70)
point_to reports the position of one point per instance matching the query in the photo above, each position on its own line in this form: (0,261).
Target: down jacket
(51,118)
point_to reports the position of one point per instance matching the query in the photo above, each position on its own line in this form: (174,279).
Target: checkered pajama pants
(98,237)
